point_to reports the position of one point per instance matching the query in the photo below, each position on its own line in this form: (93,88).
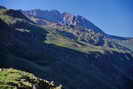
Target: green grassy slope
(16,79)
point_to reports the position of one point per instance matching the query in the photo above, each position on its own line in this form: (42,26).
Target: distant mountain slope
(76,26)
(67,54)
(127,43)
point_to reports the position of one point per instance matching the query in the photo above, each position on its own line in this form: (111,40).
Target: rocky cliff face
(53,15)
(62,18)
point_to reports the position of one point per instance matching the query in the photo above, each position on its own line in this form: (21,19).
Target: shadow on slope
(73,69)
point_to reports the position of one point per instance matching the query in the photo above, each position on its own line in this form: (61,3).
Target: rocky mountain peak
(63,18)
(52,15)
(69,19)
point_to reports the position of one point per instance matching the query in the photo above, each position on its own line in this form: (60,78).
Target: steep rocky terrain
(62,18)
(76,27)
(76,56)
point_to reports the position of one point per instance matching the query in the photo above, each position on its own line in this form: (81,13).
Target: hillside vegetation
(16,79)
(74,56)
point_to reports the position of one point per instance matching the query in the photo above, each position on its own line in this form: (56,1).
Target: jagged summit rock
(63,18)
(53,15)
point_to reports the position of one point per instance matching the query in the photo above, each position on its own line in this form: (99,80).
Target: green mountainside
(74,56)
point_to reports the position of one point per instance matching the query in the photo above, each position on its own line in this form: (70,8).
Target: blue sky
(112,16)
